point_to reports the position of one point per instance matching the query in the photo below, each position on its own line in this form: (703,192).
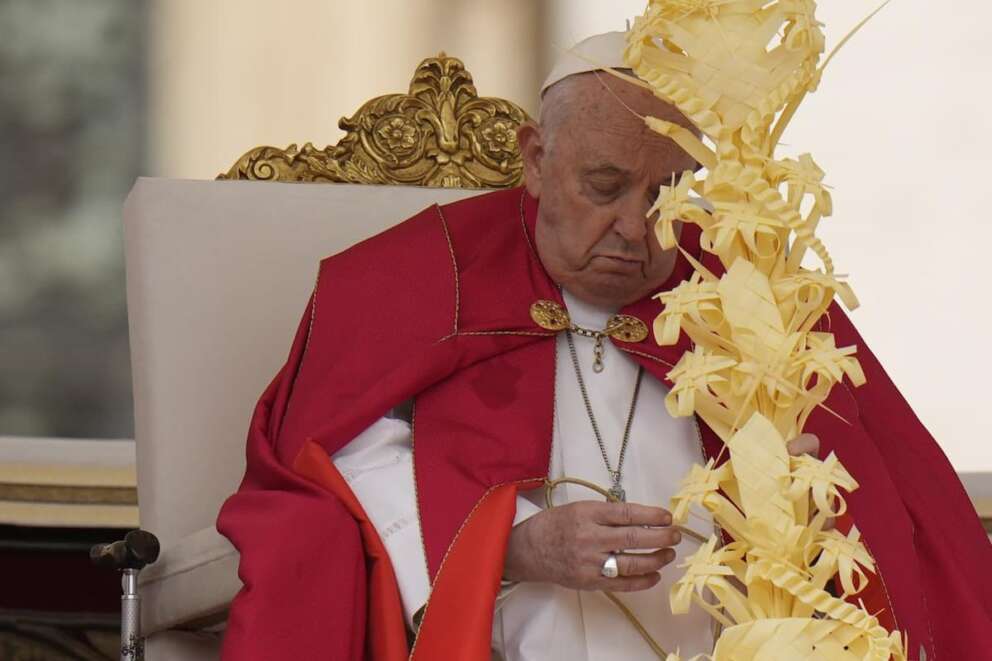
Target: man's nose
(631,222)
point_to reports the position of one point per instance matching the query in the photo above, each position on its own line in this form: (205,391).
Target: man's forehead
(622,147)
(608,156)
(625,135)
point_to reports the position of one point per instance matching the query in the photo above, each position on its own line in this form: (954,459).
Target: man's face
(597,168)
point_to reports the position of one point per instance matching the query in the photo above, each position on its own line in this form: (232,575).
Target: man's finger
(638,538)
(804,444)
(631,514)
(629,583)
(638,564)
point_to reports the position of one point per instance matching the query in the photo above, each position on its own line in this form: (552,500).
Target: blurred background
(95,93)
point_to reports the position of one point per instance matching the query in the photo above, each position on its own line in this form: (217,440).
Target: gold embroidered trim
(454,541)
(306,344)
(498,332)
(885,590)
(454,266)
(313,316)
(521,333)
(523,226)
(646,355)
(416,490)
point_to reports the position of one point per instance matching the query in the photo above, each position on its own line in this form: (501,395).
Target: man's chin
(615,291)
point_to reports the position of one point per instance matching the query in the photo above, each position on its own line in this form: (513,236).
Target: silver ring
(610,567)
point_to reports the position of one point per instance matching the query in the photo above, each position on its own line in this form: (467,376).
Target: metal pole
(132,644)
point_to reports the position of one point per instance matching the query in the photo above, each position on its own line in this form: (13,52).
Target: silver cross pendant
(617,492)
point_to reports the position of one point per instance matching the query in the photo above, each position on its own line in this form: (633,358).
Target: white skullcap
(600,51)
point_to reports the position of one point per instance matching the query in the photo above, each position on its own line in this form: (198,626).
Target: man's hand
(805,444)
(568,545)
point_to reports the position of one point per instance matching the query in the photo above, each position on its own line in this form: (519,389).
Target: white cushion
(183,646)
(218,275)
(193,581)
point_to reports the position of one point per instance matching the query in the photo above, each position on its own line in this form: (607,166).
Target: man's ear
(532,151)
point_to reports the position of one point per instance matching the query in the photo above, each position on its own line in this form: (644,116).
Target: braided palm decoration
(738,69)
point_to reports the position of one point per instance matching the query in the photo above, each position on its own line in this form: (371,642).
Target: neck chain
(615,324)
(616,476)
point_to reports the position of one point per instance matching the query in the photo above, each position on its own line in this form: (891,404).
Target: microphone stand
(129,555)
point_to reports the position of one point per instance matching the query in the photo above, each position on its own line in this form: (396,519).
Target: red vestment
(436,309)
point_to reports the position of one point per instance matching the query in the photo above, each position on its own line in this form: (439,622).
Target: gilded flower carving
(499,138)
(399,134)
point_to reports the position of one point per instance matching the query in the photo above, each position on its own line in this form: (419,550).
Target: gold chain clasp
(550,315)
(553,316)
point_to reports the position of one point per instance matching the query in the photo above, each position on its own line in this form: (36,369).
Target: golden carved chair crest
(439,134)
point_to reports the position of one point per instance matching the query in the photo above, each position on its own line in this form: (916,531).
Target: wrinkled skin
(596,169)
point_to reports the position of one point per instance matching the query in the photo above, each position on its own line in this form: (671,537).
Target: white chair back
(218,275)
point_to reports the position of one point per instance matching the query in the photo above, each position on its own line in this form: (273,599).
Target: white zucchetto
(597,52)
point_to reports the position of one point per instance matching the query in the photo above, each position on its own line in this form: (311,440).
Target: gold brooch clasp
(550,315)
(626,328)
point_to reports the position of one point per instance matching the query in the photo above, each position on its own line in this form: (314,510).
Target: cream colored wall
(901,128)
(570,21)
(227,75)
(900,125)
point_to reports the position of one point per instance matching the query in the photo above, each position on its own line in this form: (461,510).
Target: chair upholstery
(183,645)
(218,274)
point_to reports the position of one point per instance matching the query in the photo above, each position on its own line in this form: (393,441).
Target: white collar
(585,314)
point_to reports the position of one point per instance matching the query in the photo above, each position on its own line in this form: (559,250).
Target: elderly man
(447,369)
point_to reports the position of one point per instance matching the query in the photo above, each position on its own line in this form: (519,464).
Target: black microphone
(138,549)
